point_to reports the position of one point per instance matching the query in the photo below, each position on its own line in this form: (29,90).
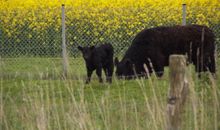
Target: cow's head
(86,51)
(124,68)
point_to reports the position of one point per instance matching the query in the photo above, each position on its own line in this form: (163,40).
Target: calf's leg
(89,74)
(99,73)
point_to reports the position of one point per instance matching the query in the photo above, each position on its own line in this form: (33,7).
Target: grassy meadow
(41,100)
(34,96)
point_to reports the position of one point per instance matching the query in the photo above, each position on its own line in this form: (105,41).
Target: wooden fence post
(178,91)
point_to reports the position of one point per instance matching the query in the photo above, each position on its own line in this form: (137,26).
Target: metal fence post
(64,51)
(184,14)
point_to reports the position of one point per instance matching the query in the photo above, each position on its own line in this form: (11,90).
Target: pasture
(42,100)
(34,95)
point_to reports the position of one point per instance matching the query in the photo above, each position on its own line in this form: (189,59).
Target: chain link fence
(36,50)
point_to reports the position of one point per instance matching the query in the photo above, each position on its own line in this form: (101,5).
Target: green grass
(52,103)
(39,67)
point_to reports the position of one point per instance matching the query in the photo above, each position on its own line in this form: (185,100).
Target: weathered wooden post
(178,91)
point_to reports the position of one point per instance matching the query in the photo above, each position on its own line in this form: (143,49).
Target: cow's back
(175,39)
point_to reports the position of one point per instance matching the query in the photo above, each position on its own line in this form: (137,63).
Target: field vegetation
(42,100)
(34,96)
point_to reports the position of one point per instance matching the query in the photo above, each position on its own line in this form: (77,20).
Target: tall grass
(136,104)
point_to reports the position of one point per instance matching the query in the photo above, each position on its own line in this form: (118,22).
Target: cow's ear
(128,62)
(116,61)
(80,48)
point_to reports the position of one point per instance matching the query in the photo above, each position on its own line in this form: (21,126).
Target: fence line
(31,42)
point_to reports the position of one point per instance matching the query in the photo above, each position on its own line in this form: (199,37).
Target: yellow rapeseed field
(99,18)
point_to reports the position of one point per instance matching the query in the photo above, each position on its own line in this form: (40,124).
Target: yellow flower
(114,18)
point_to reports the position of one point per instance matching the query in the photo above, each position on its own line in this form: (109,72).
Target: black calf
(98,58)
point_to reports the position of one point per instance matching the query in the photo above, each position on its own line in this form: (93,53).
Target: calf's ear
(80,48)
(92,47)
(116,61)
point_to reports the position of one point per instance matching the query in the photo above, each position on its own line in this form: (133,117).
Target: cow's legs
(109,73)
(211,65)
(158,65)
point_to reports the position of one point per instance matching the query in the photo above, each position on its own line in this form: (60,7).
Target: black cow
(98,58)
(155,45)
